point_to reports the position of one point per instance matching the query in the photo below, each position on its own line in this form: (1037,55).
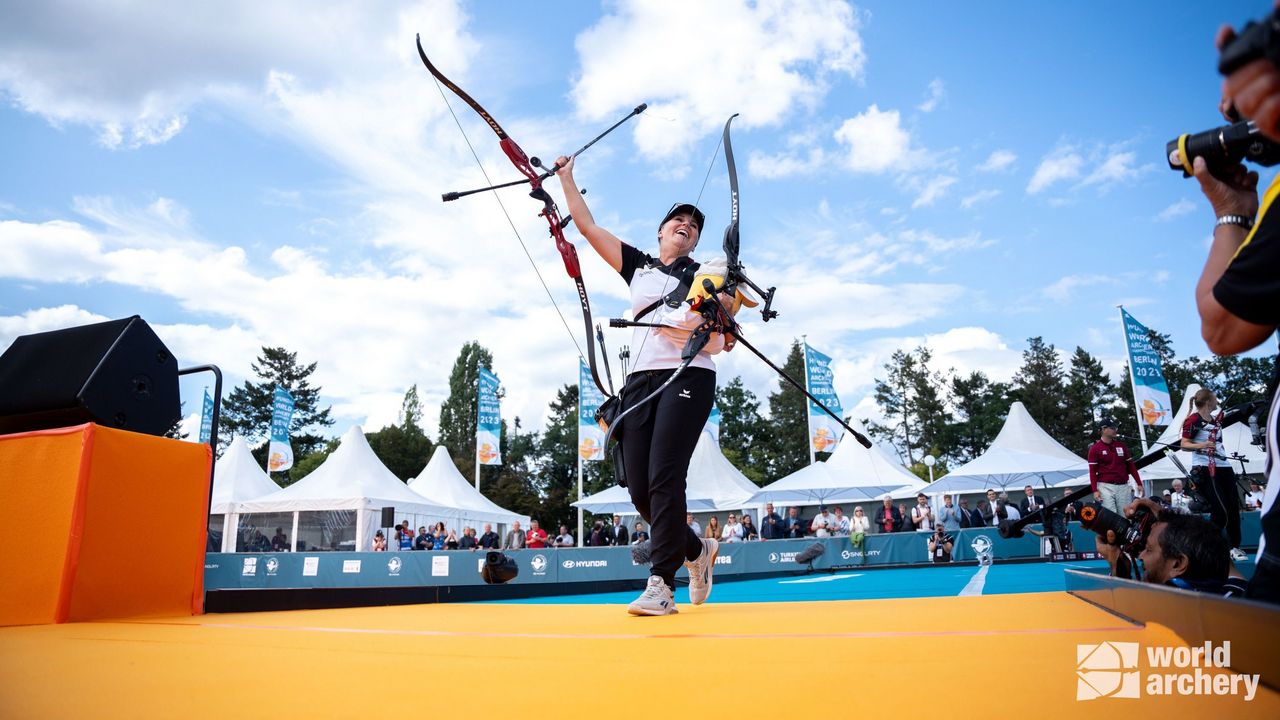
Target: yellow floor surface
(951,657)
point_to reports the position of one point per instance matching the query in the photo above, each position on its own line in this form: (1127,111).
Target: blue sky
(962,176)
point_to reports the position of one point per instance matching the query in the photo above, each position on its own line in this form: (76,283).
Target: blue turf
(931,581)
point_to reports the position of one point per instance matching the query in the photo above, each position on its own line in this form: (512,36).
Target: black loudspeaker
(117,374)
(388,517)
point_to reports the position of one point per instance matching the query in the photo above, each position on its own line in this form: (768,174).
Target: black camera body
(1223,147)
(1130,533)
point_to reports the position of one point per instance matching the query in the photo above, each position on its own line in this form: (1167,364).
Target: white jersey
(650,280)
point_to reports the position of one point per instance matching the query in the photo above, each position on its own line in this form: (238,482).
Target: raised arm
(604,242)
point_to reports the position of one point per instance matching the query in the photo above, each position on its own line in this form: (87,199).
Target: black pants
(657,441)
(1222,497)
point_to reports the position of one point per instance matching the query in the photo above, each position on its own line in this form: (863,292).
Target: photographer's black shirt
(1250,287)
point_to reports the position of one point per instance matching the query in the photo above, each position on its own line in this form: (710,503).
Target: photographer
(940,545)
(1238,295)
(1180,550)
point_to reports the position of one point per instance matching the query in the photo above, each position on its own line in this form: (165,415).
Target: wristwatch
(1239,220)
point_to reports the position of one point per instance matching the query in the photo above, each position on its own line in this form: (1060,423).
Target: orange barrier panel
(104,523)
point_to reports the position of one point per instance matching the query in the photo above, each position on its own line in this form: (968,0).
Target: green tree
(247,411)
(1088,393)
(786,443)
(512,485)
(1039,384)
(742,430)
(557,476)
(980,410)
(458,411)
(912,398)
(404,447)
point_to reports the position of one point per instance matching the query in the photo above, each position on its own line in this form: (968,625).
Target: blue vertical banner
(488,420)
(206,418)
(713,423)
(824,431)
(280,453)
(1150,391)
(590,436)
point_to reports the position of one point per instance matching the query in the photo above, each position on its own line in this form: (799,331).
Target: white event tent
(441,484)
(713,484)
(1235,439)
(853,473)
(1021,454)
(338,506)
(237,477)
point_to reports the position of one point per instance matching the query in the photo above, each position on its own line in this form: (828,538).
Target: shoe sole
(641,612)
(710,575)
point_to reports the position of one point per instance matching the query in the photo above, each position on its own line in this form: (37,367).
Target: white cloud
(936,92)
(998,160)
(933,189)
(1066,288)
(979,197)
(1063,164)
(771,58)
(1178,209)
(1115,168)
(875,142)
(783,165)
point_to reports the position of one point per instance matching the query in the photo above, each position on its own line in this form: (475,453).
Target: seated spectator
(859,523)
(732,532)
(841,528)
(1253,498)
(922,514)
(822,523)
(563,539)
(468,541)
(907,524)
(280,543)
(940,545)
(888,518)
(489,540)
(379,542)
(424,541)
(794,526)
(639,535)
(713,528)
(749,532)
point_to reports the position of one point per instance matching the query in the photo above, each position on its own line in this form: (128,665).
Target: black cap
(1107,423)
(698,218)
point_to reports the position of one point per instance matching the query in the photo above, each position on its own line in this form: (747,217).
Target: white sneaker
(1238,555)
(700,571)
(655,600)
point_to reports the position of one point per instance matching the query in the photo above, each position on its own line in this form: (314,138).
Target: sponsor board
(574,564)
(440,566)
(539,563)
(250,566)
(310,566)
(351,566)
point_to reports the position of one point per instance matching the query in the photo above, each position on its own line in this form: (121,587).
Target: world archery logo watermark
(1111,670)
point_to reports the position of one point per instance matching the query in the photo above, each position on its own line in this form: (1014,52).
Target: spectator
(693,524)
(536,538)
(599,536)
(732,532)
(489,540)
(749,531)
(922,514)
(618,533)
(988,508)
(1007,510)
(280,543)
(948,515)
(441,536)
(639,535)
(860,523)
(888,518)
(404,537)
(1110,466)
(1031,502)
(794,526)
(713,528)
(1179,499)
(907,524)
(821,524)
(940,545)
(1252,499)
(1183,551)
(969,517)
(841,527)
(564,539)
(451,541)
(423,541)
(468,541)
(1071,510)
(379,542)
(515,538)
(771,529)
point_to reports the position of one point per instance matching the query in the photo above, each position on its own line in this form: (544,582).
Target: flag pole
(808,419)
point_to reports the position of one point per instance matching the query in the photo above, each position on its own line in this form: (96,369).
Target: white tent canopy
(713,484)
(440,483)
(1235,439)
(237,477)
(1021,454)
(350,488)
(852,474)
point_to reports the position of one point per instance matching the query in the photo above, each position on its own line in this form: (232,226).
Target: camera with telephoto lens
(1130,533)
(1225,146)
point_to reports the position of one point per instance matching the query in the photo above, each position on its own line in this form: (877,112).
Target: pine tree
(557,475)
(742,430)
(404,447)
(512,486)
(896,397)
(1088,394)
(1039,385)
(981,407)
(787,438)
(247,411)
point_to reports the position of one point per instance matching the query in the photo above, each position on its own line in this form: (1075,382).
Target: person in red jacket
(1110,467)
(536,537)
